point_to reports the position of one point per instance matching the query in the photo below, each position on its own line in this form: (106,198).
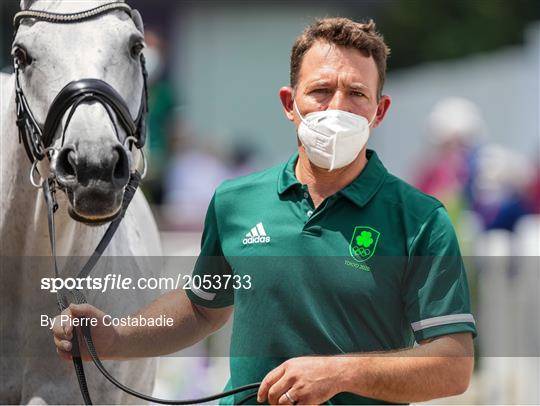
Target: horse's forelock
(26,4)
(43,5)
(49,5)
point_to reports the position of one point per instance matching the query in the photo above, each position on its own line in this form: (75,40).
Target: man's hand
(191,323)
(307,380)
(104,337)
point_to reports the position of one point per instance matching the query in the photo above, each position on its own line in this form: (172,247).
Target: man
(339,265)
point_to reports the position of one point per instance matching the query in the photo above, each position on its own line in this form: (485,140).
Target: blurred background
(463,126)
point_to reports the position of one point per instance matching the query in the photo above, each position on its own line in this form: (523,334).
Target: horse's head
(90,163)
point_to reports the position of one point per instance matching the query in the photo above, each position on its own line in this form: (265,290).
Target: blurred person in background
(195,170)
(242,158)
(162,105)
(192,174)
(500,187)
(534,189)
(454,130)
(335,324)
(466,172)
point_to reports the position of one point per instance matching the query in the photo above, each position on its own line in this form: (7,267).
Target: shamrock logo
(365,239)
(363,243)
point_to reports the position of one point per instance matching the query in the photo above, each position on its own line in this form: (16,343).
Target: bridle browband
(38,144)
(73,17)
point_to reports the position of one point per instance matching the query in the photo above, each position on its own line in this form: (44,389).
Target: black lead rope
(49,192)
(244,400)
(78,297)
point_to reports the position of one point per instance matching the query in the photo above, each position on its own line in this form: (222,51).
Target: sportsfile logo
(257,235)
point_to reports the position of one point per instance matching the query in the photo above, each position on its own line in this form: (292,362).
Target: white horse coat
(31,370)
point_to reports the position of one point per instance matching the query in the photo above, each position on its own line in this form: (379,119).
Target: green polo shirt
(375,267)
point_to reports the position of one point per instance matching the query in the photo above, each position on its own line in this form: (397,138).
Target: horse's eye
(136,49)
(21,57)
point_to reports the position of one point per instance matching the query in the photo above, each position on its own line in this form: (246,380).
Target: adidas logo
(257,235)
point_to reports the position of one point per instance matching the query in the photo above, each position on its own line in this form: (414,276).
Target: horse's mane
(54,4)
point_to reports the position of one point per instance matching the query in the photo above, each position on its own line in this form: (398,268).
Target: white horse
(53,55)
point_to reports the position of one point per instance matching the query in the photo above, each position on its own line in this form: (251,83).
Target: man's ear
(287,101)
(382,108)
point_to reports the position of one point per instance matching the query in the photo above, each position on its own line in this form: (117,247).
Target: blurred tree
(7,11)
(417,30)
(426,30)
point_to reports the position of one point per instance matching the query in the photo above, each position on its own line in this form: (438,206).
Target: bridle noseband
(93,89)
(38,145)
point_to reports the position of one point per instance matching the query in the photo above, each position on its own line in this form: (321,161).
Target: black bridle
(36,139)
(38,143)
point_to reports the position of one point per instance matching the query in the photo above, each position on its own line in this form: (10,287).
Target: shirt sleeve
(211,280)
(435,289)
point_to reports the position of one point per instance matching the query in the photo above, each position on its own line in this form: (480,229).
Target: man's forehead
(324,60)
(330,51)
(324,74)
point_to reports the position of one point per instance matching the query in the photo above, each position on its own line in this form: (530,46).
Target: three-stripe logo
(257,235)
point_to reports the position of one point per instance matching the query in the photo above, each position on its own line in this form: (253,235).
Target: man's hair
(345,32)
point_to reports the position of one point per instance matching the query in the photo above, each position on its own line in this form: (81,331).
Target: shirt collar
(287,177)
(359,191)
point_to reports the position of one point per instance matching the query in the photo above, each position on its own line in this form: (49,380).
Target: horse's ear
(137,19)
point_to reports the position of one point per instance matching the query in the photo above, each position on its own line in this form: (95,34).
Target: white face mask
(333,139)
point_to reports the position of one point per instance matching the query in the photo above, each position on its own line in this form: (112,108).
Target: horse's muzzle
(93,178)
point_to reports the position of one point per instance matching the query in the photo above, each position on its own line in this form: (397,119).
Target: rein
(37,142)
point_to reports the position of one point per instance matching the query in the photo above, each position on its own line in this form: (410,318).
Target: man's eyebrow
(358,85)
(319,82)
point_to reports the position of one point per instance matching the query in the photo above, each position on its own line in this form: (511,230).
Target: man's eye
(320,91)
(357,93)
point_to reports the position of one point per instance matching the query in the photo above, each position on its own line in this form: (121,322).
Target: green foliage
(425,30)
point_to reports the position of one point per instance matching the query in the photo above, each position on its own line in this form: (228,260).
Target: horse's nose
(65,166)
(85,165)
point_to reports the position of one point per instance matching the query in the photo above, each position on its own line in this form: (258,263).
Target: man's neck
(323,183)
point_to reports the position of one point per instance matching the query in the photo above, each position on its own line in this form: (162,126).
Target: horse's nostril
(121,167)
(85,166)
(66,163)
